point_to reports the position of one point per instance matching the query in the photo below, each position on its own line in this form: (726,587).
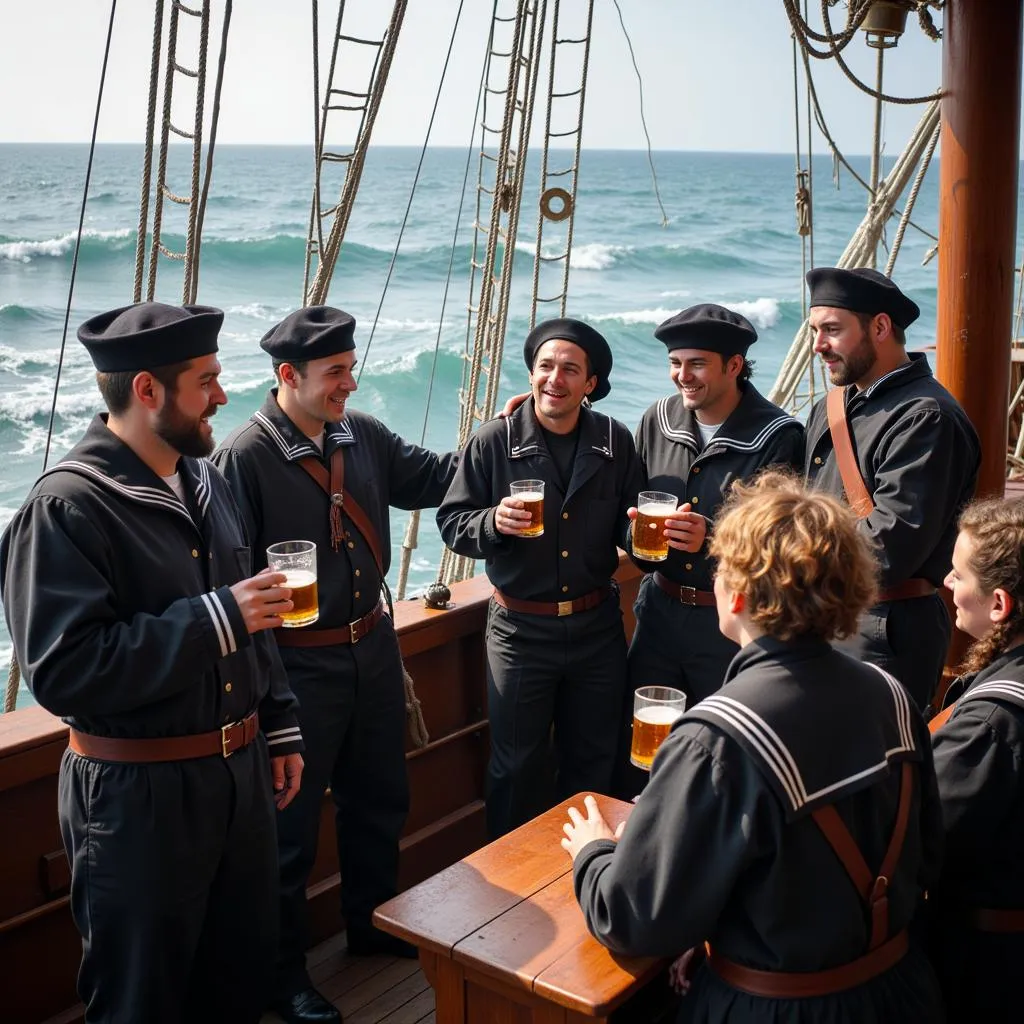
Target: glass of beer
(531,494)
(652,509)
(297,560)
(655,708)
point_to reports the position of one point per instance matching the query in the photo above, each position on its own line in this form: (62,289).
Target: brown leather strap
(996,920)
(917,586)
(853,483)
(804,984)
(874,890)
(936,723)
(342,503)
(350,634)
(560,608)
(685,595)
(222,742)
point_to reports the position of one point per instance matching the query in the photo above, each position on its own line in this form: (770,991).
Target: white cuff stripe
(225,622)
(216,624)
(283,739)
(282,732)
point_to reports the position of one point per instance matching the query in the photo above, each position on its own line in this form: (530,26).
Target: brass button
(696,469)
(817,460)
(227,687)
(694,501)
(358,573)
(357,593)
(195,554)
(565,554)
(689,565)
(565,515)
(565,590)
(351,544)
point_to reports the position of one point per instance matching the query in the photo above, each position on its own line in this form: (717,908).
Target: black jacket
(119,604)
(583,525)
(919,455)
(755,435)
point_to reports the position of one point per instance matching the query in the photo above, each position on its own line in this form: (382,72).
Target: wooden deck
(369,989)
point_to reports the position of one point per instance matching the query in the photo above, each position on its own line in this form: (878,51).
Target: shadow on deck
(369,989)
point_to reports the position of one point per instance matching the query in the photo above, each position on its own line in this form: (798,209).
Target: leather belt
(223,742)
(350,634)
(685,595)
(798,985)
(559,608)
(996,920)
(914,587)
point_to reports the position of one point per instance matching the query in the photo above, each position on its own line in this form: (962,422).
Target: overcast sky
(717,74)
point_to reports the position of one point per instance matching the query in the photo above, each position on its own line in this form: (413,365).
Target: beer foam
(528,496)
(655,714)
(656,508)
(295,578)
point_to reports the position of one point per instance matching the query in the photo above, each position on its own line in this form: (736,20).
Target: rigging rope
(14,674)
(412,191)
(643,119)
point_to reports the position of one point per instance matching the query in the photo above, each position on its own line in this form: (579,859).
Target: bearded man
(911,459)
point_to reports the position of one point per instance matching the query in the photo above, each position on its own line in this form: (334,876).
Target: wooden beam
(978,216)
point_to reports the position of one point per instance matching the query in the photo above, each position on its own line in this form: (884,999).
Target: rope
(214,122)
(643,119)
(314,206)
(414,712)
(187,291)
(14,673)
(911,199)
(412,191)
(147,159)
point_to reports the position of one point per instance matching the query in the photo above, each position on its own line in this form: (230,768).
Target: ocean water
(731,239)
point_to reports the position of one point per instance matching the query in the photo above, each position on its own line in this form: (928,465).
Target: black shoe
(374,942)
(306,1007)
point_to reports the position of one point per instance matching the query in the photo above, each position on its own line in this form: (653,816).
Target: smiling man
(128,587)
(301,448)
(556,652)
(912,464)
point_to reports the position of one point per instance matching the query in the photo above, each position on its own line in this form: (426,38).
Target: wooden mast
(981,77)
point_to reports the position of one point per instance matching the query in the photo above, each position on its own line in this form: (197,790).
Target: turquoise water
(731,239)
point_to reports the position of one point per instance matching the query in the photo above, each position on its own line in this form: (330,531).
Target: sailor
(556,651)
(977,907)
(716,429)
(792,818)
(128,587)
(904,453)
(306,467)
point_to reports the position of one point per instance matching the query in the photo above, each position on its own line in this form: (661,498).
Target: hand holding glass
(653,508)
(655,709)
(297,560)
(531,494)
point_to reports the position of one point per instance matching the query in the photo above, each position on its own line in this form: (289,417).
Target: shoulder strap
(939,720)
(853,483)
(342,503)
(873,888)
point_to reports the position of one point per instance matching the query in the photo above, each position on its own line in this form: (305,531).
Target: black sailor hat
(579,333)
(312,332)
(861,290)
(707,327)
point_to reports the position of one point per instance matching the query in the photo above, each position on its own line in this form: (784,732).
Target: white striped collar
(290,442)
(996,689)
(749,414)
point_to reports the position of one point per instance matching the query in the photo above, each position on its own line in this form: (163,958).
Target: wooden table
(502,938)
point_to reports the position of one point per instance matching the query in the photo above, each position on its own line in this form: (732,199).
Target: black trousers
(352,715)
(542,672)
(173,874)
(909,639)
(674,645)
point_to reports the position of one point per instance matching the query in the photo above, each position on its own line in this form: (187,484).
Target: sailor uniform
(118,601)
(569,669)
(723,845)
(677,643)
(978,753)
(919,456)
(351,695)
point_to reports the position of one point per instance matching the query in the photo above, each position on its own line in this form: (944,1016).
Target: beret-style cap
(579,333)
(708,327)
(312,332)
(861,290)
(149,334)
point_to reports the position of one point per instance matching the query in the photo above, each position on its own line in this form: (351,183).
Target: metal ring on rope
(550,195)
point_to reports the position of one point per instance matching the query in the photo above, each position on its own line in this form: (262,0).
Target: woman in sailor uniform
(978,740)
(792,820)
